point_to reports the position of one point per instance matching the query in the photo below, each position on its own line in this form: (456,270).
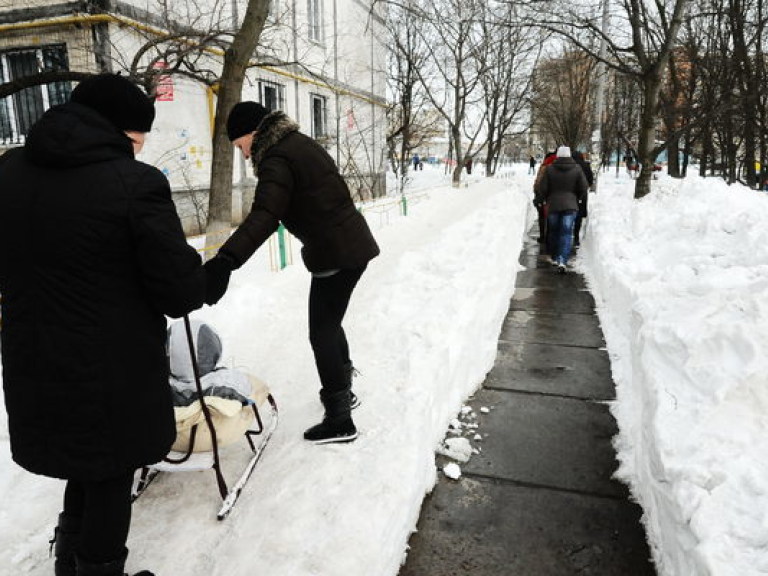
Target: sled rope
(223,490)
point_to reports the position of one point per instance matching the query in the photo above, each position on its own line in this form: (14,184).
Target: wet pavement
(539,499)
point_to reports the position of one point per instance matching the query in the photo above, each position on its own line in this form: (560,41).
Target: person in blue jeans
(563,188)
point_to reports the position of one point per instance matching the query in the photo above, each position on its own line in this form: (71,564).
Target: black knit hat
(117,99)
(244,119)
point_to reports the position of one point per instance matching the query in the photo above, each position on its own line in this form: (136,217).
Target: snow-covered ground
(422,325)
(681,283)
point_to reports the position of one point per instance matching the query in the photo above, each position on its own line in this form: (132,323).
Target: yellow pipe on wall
(210,93)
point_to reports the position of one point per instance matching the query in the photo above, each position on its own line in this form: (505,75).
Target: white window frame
(265,86)
(319,103)
(315,21)
(15,136)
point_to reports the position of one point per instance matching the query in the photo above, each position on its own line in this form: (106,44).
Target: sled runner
(214,407)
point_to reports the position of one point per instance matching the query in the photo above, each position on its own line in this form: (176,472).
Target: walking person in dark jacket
(300,186)
(563,186)
(578,157)
(92,258)
(541,205)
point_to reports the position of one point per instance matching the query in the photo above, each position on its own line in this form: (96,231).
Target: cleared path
(539,499)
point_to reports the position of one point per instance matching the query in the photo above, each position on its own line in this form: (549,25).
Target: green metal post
(405,204)
(281,245)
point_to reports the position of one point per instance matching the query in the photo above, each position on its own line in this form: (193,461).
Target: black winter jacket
(563,186)
(92,256)
(300,185)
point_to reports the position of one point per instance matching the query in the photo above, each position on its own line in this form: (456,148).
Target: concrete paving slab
(548,277)
(549,300)
(552,328)
(483,528)
(549,441)
(552,369)
(537,262)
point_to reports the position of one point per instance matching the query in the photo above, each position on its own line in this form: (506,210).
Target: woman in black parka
(300,186)
(92,258)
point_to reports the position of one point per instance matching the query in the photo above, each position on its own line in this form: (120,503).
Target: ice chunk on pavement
(458,449)
(452,470)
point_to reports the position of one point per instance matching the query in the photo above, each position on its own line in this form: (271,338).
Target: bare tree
(407,130)
(451,33)
(361,162)
(622,117)
(512,53)
(236,60)
(561,97)
(639,44)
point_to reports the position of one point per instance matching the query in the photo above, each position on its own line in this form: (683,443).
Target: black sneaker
(328,432)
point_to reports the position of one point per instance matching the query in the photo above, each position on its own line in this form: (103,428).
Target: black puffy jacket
(300,186)
(563,185)
(92,258)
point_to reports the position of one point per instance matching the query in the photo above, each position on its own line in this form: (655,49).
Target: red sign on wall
(164,86)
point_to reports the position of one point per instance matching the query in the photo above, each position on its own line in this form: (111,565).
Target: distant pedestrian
(563,186)
(468,165)
(629,161)
(578,157)
(416,162)
(532,165)
(541,204)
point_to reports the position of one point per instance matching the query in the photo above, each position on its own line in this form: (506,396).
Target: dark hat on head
(244,118)
(118,99)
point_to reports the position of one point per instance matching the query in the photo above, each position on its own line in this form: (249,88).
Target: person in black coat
(92,259)
(300,186)
(578,157)
(563,187)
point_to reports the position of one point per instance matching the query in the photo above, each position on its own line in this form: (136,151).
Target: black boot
(350,372)
(337,425)
(113,568)
(66,536)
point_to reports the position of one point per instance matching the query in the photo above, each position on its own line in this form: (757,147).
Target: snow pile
(681,282)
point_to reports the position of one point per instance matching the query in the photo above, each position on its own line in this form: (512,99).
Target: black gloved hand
(217,272)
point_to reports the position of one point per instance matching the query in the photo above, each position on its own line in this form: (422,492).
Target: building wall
(346,68)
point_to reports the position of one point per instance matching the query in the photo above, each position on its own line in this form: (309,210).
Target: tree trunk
(456,175)
(645,143)
(706,152)
(673,158)
(236,60)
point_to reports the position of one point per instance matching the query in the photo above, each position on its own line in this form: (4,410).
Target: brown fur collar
(275,126)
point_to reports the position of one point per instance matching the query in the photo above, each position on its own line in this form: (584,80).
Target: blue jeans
(560,226)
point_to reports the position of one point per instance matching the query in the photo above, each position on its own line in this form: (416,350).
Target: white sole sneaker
(336,439)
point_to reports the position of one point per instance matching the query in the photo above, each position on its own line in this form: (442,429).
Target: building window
(315,16)
(272,95)
(319,116)
(21,110)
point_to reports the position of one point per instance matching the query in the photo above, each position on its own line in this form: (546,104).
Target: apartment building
(320,61)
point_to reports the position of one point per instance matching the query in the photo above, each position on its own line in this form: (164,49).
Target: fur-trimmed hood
(275,126)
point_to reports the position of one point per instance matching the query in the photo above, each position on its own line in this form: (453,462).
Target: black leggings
(328,301)
(104,507)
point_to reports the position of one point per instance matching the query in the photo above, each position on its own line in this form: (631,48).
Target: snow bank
(681,282)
